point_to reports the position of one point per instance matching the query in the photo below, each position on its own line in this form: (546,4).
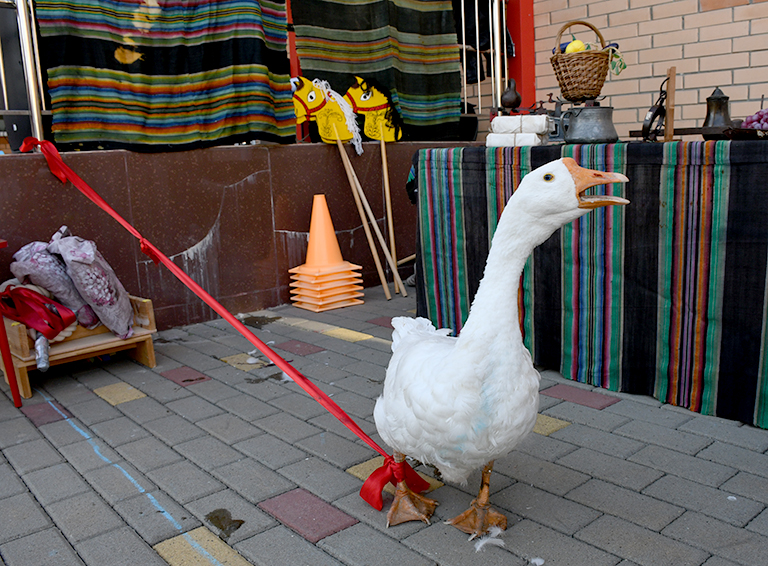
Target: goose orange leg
(479,518)
(409,505)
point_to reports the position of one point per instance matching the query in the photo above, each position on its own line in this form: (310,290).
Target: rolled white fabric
(512,140)
(521,124)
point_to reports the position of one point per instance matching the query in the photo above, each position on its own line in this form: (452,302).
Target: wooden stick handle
(388,200)
(375,225)
(352,180)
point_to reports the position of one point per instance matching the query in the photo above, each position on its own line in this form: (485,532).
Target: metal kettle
(718,116)
(590,124)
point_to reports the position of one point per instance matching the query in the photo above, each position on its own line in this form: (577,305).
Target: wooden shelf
(83,343)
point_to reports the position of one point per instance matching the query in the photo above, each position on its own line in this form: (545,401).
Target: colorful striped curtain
(165,74)
(408,46)
(667,296)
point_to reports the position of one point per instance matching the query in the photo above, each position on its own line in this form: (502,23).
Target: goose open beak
(586,178)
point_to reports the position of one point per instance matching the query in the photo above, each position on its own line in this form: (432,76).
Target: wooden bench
(83,343)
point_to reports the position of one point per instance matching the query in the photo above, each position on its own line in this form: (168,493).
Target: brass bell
(718,115)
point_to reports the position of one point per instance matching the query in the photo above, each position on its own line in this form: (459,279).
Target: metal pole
(464,56)
(37,56)
(497,89)
(30,73)
(2,78)
(477,54)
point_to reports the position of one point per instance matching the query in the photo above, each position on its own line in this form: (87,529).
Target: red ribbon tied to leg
(391,472)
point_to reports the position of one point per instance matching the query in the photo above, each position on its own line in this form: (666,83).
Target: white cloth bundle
(512,140)
(521,124)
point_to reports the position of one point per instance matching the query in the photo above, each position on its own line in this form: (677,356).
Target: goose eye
(549,177)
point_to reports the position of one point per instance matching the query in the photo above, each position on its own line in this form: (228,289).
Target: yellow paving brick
(547,425)
(240,361)
(348,335)
(118,393)
(362,471)
(199,547)
(314,326)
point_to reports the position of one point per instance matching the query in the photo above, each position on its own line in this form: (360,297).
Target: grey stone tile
(188,356)
(252,480)
(44,548)
(270,451)
(158,387)
(21,515)
(280,545)
(148,454)
(626,504)
(144,410)
(208,452)
(760,524)
(360,544)
(68,431)
(599,440)
(89,454)
(530,540)
(615,470)
(96,377)
(364,386)
(118,481)
(83,516)
(298,405)
(17,431)
(320,478)
(324,373)
(354,404)
(587,416)
(335,450)
(367,369)
(540,473)
(213,391)
(55,483)
(736,457)
(549,510)
(634,543)
(449,547)
(693,468)
(10,484)
(228,375)
(173,430)
(544,447)
(716,561)
(650,413)
(684,442)
(745,436)
(721,539)
(32,456)
(264,387)
(254,520)
(286,427)
(748,485)
(194,408)
(94,411)
(118,547)
(184,481)
(68,391)
(229,428)
(155,516)
(716,503)
(119,431)
(328,422)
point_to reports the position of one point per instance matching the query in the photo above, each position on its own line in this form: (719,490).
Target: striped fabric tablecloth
(665,297)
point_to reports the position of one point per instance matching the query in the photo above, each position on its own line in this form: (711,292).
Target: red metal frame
(522,67)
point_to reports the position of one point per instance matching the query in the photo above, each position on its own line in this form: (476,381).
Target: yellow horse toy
(377,109)
(316,101)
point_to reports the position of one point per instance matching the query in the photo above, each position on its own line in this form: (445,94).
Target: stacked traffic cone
(325,281)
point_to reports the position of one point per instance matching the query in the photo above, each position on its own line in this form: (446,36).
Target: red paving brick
(44,413)
(580,396)
(307,514)
(385,321)
(185,376)
(299,348)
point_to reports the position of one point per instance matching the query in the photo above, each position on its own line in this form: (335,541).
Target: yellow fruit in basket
(575,46)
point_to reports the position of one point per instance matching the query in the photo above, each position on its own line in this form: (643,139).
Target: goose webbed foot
(409,506)
(478,520)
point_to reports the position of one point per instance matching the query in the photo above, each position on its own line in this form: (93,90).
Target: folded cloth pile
(518,130)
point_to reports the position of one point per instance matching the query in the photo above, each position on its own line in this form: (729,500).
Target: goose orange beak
(586,178)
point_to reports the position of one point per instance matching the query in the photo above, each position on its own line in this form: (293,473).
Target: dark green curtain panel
(165,74)
(408,46)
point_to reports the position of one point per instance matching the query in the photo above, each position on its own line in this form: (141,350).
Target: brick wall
(711,43)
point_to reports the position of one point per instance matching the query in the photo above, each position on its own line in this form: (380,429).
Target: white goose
(460,403)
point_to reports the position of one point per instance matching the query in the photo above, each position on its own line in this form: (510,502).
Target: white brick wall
(712,43)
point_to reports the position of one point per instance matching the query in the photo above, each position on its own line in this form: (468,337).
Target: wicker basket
(581,75)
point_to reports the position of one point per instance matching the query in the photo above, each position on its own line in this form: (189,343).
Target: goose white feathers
(459,403)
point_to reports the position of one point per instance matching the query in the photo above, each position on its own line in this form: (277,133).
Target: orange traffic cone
(325,281)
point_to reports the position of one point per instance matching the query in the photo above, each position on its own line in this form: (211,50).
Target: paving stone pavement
(214,457)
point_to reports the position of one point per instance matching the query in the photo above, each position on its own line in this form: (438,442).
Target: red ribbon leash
(372,487)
